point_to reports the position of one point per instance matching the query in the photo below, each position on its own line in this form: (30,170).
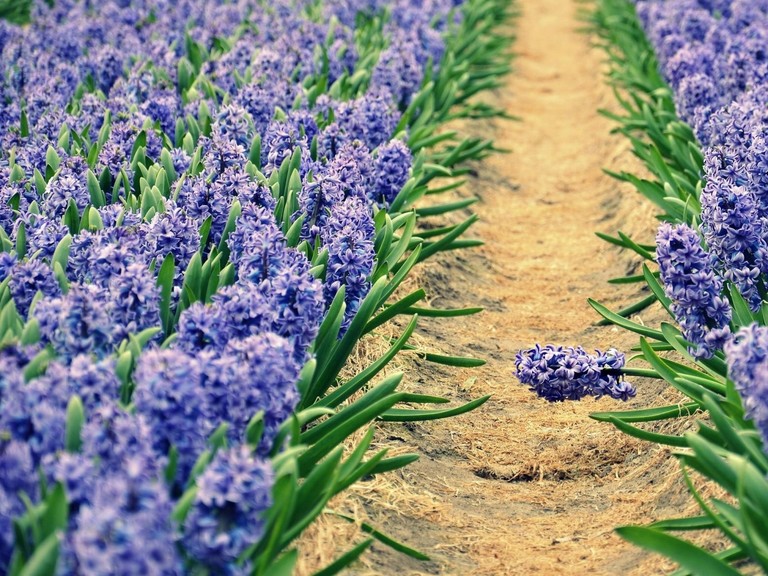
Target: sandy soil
(521,486)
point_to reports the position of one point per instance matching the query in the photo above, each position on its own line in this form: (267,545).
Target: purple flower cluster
(558,373)
(747,356)
(694,289)
(228,512)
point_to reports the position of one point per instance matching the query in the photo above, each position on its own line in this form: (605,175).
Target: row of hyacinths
(713,56)
(153,284)
(690,79)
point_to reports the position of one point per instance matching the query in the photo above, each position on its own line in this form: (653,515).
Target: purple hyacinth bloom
(392,167)
(747,357)
(348,236)
(77,323)
(733,230)
(316,200)
(398,69)
(29,278)
(126,529)
(76,473)
(113,436)
(43,235)
(61,190)
(372,118)
(17,475)
(35,412)
(267,369)
(353,167)
(694,288)
(170,395)
(227,516)
(558,373)
(135,299)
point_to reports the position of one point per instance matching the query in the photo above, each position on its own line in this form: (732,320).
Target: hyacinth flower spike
(558,373)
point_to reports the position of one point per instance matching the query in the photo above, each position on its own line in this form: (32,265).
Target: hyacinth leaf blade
(284,494)
(382,391)
(445,360)
(691,557)
(431,248)
(346,559)
(625,242)
(391,310)
(638,306)
(702,522)
(165,281)
(344,391)
(327,336)
(315,492)
(622,322)
(392,254)
(445,208)
(54,514)
(443,312)
(655,286)
(75,421)
(383,538)
(742,315)
(649,414)
(654,437)
(43,560)
(285,565)
(413,415)
(327,372)
(726,424)
(715,366)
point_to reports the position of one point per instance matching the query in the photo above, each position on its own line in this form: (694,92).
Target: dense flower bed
(186,188)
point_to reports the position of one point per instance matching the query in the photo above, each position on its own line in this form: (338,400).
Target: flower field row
(690,78)
(204,206)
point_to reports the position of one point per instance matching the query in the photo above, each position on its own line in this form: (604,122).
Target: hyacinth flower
(226,517)
(733,228)
(558,373)
(694,288)
(747,358)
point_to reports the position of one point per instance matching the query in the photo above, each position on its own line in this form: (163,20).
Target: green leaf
(684,524)
(21,241)
(75,420)
(43,561)
(690,557)
(165,283)
(629,310)
(98,199)
(56,512)
(345,560)
(344,391)
(648,414)
(617,319)
(407,415)
(459,361)
(444,208)
(384,539)
(285,565)
(654,437)
(443,313)
(255,429)
(742,315)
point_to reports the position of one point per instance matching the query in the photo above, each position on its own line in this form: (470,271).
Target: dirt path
(522,486)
